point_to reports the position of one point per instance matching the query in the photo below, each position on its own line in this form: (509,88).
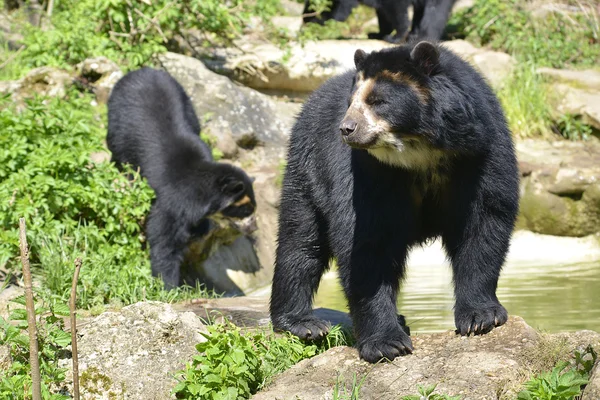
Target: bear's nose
(348,126)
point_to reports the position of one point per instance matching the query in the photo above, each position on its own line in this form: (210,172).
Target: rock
(560,187)
(577,102)
(102,74)
(303,68)
(251,118)
(588,78)
(592,390)
(498,363)
(494,65)
(44,81)
(251,311)
(133,353)
(297,68)
(292,7)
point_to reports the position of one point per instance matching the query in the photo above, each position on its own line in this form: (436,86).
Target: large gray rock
(44,81)
(560,187)
(303,68)
(249,117)
(576,93)
(133,353)
(485,367)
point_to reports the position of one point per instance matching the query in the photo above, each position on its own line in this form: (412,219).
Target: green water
(551,298)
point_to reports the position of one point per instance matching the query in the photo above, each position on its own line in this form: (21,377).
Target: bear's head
(390,95)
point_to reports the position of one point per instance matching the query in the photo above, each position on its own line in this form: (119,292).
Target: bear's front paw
(307,327)
(479,320)
(389,347)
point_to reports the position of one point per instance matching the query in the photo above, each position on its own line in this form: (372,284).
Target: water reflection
(551,298)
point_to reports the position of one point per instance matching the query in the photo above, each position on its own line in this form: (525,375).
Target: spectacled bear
(429,17)
(152,126)
(410,146)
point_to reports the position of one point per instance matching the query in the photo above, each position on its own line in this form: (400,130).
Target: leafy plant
(234,364)
(15,382)
(573,128)
(426,393)
(564,382)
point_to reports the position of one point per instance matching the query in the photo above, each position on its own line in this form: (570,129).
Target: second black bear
(429,17)
(413,145)
(152,126)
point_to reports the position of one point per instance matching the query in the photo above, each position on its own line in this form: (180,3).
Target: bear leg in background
(302,257)
(477,238)
(370,277)
(385,26)
(167,239)
(430,18)
(341,10)
(394,13)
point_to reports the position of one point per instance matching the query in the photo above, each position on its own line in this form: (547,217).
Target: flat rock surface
(303,68)
(476,368)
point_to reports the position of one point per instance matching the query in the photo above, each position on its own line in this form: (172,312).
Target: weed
(564,382)
(426,393)
(15,382)
(236,364)
(573,128)
(340,392)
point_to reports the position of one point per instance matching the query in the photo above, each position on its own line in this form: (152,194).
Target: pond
(551,297)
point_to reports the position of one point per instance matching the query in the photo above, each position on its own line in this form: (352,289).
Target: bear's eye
(374,100)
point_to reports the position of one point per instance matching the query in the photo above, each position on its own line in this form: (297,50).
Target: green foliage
(426,393)
(15,382)
(212,143)
(563,382)
(320,6)
(73,207)
(131,32)
(556,39)
(340,392)
(573,128)
(234,364)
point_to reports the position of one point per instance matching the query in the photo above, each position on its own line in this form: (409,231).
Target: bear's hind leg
(371,280)
(302,257)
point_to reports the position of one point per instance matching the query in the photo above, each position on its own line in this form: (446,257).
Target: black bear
(429,17)
(424,152)
(152,126)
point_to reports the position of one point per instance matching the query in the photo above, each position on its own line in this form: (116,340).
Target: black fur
(152,125)
(429,17)
(341,202)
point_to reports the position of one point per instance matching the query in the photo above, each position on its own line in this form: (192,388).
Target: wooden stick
(36,388)
(50,7)
(72,302)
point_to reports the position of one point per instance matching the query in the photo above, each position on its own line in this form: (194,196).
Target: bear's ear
(359,58)
(426,56)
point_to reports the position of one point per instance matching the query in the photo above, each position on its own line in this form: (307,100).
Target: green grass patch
(524,97)
(565,35)
(234,364)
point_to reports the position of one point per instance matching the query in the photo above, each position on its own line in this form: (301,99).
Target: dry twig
(36,388)
(72,303)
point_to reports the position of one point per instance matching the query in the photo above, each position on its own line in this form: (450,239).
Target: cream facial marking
(244,200)
(373,124)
